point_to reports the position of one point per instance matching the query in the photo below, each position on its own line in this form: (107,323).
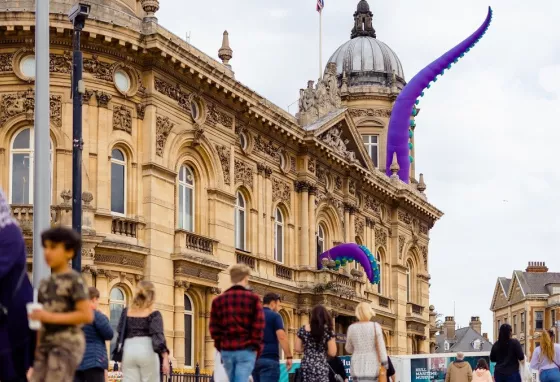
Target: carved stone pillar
(179,322)
(102,285)
(267,212)
(347,238)
(209,343)
(352,228)
(312,227)
(303,189)
(261,249)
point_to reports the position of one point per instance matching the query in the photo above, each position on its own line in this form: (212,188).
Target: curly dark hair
(320,319)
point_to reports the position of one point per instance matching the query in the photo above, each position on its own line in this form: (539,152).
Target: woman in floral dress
(316,341)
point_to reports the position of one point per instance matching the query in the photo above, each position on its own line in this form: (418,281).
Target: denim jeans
(266,370)
(550,375)
(515,377)
(239,364)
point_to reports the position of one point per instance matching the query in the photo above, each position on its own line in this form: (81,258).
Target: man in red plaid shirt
(237,325)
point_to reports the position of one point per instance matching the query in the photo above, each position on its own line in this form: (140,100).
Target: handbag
(118,351)
(298,375)
(337,377)
(382,369)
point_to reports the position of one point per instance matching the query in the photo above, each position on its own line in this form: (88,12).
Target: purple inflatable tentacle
(351,251)
(398,134)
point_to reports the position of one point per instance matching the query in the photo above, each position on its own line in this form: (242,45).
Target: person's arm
(257,332)
(331,345)
(469,372)
(298,346)
(158,340)
(81,315)
(493,354)
(535,359)
(215,325)
(349,347)
(519,351)
(282,337)
(381,348)
(103,327)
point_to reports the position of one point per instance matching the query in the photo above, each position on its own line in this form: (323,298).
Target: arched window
(380,266)
(189,332)
(21,169)
(408,283)
(186,198)
(118,182)
(279,236)
(117,303)
(320,240)
(240,222)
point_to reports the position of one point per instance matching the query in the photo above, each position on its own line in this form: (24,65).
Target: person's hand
(165,367)
(38,315)
(29,373)
(289,363)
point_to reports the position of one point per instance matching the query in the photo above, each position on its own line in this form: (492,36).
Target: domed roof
(363,55)
(365,60)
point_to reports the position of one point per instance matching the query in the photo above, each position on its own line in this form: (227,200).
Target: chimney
(536,267)
(476,325)
(449,327)
(485,336)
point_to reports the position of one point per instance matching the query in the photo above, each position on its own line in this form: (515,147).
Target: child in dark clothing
(66,307)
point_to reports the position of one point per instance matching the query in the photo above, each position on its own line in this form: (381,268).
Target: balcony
(554,300)
(124,227)
(23,213)
(415,313)
(284,272)
(245,258)
(190,241)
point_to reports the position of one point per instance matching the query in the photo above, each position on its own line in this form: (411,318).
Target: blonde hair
(145,295)
(364,311)
(547,347)
(238,272)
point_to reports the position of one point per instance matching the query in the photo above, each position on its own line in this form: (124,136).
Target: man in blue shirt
(267,368)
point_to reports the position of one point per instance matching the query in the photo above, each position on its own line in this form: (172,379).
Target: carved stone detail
(316,102)
(424,251)
(100,70)
(352,187)
(372,204)
(268,148)
(128,259)
(86,97)
(321,174)
(102,98)
(281,191)
(293,169)
(6,62)
(381,237)
(225,159)
(402,242)
(60,63)
(88,253)
(87,198)
(301,186)
(405,217)
(359,226)
(122,119)
(14,104)
(182,284)
(423,229)
(338,183)
(141,111)
(243,173)
(163,128)
(356,113)
(216,116)
(311,165)
(333,139)
(182,97)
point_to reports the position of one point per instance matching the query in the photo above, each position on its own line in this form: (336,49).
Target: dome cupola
(364,60)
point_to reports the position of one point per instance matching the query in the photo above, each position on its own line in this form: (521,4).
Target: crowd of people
(58,335)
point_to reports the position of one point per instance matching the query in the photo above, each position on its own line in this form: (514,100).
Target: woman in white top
(546,358)
(364,341)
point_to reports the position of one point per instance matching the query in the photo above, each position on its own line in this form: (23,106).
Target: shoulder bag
(337,377)
(118,351)
(382,370)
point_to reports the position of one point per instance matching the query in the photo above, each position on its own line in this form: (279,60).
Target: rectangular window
(498,328)
(514,324)
(372,147)
(539,320)
(552,318)
(522,322)
(188,339)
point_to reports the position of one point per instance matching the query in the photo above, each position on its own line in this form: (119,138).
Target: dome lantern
(363,21)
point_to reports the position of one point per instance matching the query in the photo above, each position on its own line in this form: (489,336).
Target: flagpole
(321,44)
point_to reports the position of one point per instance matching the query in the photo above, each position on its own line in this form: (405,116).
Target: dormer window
(372,146)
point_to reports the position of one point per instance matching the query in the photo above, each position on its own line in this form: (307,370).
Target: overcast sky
(488,133)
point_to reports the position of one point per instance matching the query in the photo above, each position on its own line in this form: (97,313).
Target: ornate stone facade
(180,136)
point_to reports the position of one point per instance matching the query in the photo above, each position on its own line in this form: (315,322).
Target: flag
(320,5)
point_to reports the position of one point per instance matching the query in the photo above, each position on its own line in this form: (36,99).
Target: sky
(486,137)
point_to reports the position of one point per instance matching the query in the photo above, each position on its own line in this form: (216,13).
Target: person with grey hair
(459,371)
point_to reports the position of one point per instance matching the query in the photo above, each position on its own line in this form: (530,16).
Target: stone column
(179,322)
(303,189)
(347,238)
(267,213)
(312,227)
(102,285)
(261,249)
(208,342)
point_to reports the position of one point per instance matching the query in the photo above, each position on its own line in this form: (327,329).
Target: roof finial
(421,185)
(395,167)
(363,21)
(150,7)
(225,53)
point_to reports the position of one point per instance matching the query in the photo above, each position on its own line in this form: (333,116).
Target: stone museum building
(187,171)
(529,301)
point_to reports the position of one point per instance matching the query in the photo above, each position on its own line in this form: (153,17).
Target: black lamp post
(77,15)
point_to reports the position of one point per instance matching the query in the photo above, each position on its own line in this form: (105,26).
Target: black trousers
(90,375)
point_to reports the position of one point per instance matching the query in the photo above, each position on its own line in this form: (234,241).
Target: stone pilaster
(208,342)
(261,232)
(179,322)
(312,227)
(303,189)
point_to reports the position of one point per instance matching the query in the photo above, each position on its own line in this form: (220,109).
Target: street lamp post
(78,15)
